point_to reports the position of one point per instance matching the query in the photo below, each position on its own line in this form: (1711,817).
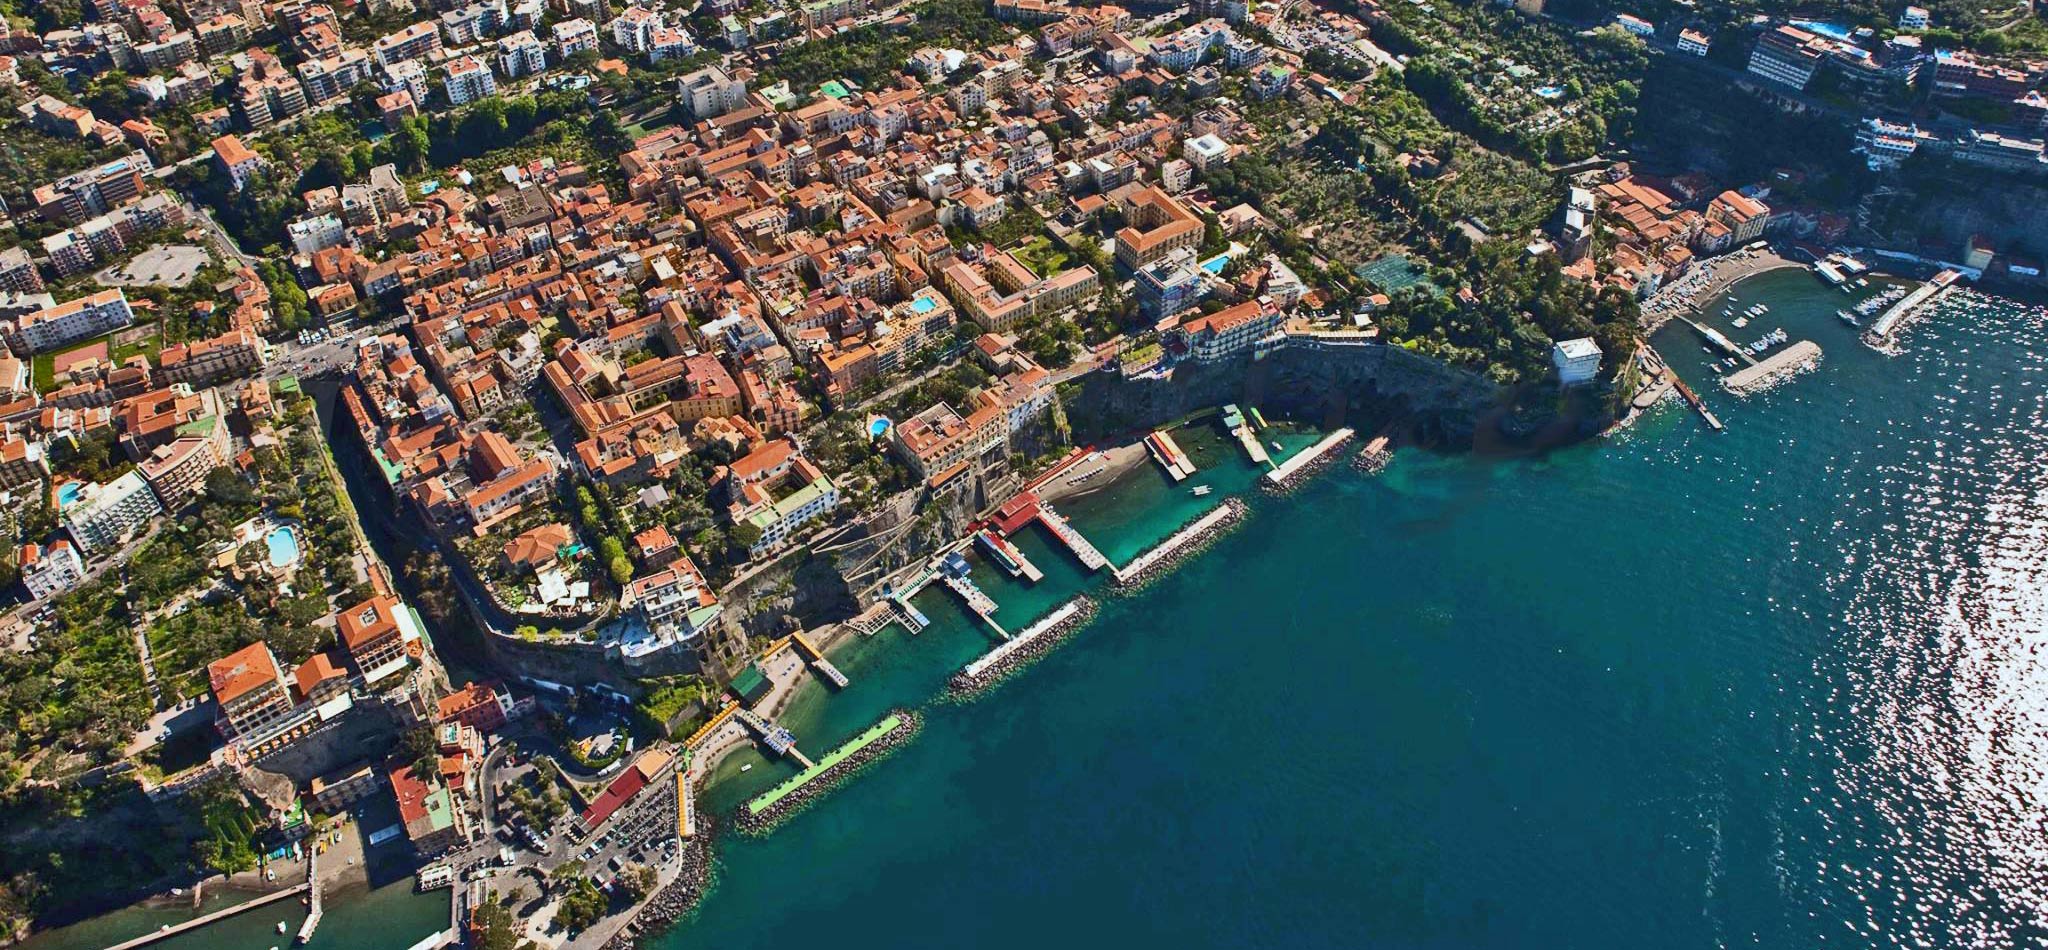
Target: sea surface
(1780,687)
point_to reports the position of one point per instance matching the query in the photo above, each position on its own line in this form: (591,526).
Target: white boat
(1277,447)
(280,926)
(746,766)
(1200,490)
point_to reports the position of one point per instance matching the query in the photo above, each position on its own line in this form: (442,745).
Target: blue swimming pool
(922,304)
(1831,30)
(284,546)
(1550,92)
(878,428)
(67,494)
(1215,265)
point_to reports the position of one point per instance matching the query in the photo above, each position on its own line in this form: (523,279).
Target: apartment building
(417,41)
(1788,55)
(68,322)
(468,80)
(177,472)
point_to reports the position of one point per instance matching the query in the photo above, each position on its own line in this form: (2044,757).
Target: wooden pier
(1693,399)
(816,658)
(222,914)
(778,739)
(1057,523)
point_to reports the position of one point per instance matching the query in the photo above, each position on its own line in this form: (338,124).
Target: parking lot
(165,265)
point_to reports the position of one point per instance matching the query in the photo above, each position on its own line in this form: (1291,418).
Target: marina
(1008,556)
(172,930)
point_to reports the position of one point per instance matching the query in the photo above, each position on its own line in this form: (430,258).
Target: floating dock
(1727,345)
(1018,642)
(1006,556)
(1167,453)
(1882,329)
(953,573)
(779,740)
(1285,470)
(1235,422)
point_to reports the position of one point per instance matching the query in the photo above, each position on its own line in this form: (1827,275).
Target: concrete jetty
(1699,405)
(222,914)
(1010,656)
(786,799)
(1884,326)
(1031,633)
(312,898)
(1168,454)
(1202,528)
(1307,462)
(1773,369)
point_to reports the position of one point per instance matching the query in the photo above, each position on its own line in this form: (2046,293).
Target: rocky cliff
(1356,384)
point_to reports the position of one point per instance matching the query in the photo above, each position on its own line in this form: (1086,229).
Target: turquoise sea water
(1776,687)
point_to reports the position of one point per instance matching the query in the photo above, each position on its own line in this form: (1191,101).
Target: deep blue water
(1775,687)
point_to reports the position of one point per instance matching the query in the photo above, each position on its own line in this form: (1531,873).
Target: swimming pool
(1550,92)
(1830,30)
(922,304)
(1215,265)
(878,428)
(67,494)
(283,543)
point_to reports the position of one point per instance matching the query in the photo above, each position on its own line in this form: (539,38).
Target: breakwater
(1798,358)
(1374,457)
(1012,655)
(1307,463)
(1189,540)
(761,815)
(674,901)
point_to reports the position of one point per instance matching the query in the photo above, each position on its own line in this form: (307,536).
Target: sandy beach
(1112,463)
(1706,281)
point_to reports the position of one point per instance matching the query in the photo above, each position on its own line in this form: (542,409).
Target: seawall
(1181,545)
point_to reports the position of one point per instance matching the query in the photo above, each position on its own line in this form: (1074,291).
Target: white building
(1915,18)
(315,233)
(711,92)
(468,81)
(1206,152)
(1577,361)
(676,602)
(521,54)
(70,321)
(1694,43)
(575,36)
(47,572)
(108,515)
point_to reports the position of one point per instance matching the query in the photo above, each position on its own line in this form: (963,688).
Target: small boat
(746,766)
(1277,447)
(1200,490)
(280,926)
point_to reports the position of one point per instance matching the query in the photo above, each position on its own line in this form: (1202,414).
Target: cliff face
(1354,384)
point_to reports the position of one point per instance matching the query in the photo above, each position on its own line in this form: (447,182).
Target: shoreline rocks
(1370,462)
(964,684)
(1307,470)
(675,901)
(764,821)
(1227,516)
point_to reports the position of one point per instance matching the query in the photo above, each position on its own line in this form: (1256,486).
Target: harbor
(1202,529)
(1036,639)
